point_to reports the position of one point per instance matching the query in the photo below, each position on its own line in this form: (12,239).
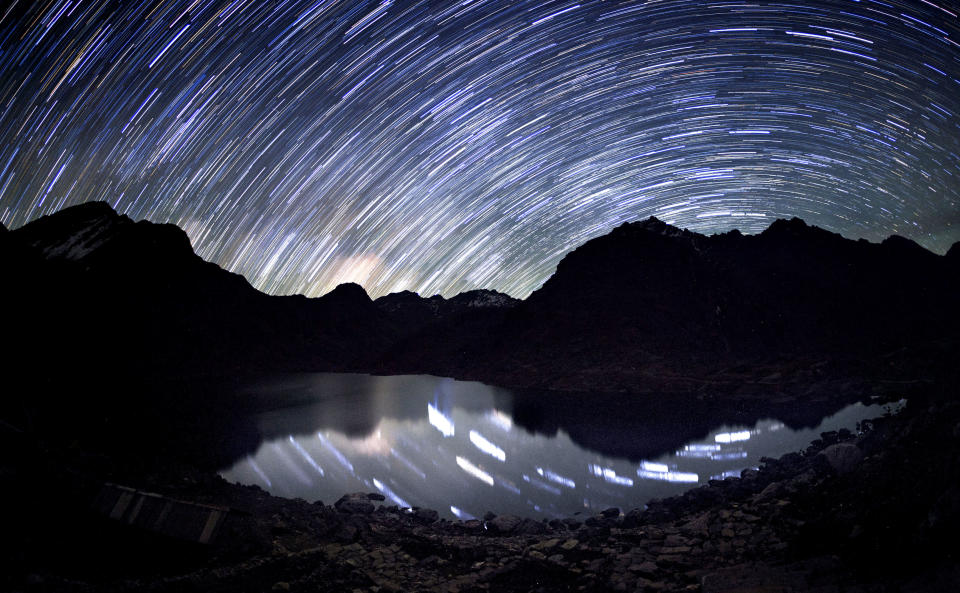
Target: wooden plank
(178,519)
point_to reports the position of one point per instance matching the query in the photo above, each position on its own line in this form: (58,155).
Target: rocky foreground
(877,510)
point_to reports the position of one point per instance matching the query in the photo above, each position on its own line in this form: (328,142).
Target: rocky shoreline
(873,511)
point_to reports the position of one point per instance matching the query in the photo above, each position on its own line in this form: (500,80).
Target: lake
(456,446)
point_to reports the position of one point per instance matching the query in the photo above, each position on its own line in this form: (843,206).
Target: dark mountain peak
(483,299)
(171,234)
(396,298)
(904,245)
(651,231)
(94,231)
(785,226)
(796,229)
(73,233)
(620,262)
(346,294)
(407,301)
(953,253)
(410,310)
(731,234)
(80,215)
(651,226)
(411,304)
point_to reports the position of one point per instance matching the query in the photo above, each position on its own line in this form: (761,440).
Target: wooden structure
(165,516)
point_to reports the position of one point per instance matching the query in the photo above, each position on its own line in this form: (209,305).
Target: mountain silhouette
(119,324)
(648,305)
(113,320)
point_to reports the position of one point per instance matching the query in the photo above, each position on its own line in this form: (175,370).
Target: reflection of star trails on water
(465,471)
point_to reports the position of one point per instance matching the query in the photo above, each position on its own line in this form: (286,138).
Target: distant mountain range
(94,300)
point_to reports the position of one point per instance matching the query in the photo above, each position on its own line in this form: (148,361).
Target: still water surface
(454,447)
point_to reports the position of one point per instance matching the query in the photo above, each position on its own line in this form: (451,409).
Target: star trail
(445,146)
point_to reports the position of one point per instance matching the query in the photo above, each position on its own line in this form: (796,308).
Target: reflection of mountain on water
(354,404)
(454,446)
(632,427)
(643,426)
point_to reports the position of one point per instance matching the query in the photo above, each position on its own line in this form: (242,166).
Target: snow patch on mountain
(482,299)
(80,244)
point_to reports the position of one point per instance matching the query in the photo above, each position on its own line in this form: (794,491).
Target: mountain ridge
(645,300)
(121,331)
(36,230)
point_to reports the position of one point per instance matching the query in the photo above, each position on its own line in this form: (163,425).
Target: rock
(425,516)
(504,523)
(610,513)
(658,511)
(673,550)
(355,503)
(546,544)
(632,519)
(572,523)
(704,497)
(670,560)
(757,577)
(675,540)
(830,437)
(647,568)
(429,561)
(531,527)
(842,457)
(771,491)
(569,544)
(595,566)
(802,481)
(699,525)
(347,533)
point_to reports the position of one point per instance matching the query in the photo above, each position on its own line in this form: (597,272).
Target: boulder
(357,503)
(633,519)
(842,457)
(504,523)
(531,527)
(425,516)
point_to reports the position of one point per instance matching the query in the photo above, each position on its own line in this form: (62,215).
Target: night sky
(445,146)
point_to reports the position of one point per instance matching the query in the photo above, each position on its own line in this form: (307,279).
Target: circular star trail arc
(439,147)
